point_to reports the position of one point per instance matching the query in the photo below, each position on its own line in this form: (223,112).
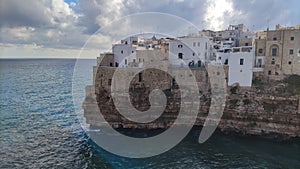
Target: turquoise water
(39,129)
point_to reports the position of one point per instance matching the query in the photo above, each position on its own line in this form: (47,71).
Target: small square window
(292,38)
(273,62)
(194,44)
(291,51)
(274,38)
(270,72)
(260,50)
(290,62)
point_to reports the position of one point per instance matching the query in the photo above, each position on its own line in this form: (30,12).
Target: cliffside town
(260,68)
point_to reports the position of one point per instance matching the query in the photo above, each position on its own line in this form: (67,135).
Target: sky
(60,29)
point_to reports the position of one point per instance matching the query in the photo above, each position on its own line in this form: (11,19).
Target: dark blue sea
(39,129)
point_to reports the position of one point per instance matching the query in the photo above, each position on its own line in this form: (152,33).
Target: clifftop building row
(273,54)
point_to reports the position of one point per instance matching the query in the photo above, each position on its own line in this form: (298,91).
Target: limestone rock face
(268,111)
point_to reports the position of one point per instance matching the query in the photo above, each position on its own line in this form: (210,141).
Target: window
(274,51)
(125,61)
(246,44)
(226,62)
(180,56)
(273,62)
(199,63)
(274,38)
(140,60)
(140,77)
(199,44)
(270,72)
(116,64)
(260,50)
(292,38)
(133,60)
(194,44)
(193,54)
(276,73)
(173,81)
(290,62)
(132,51)
(179,46)
(241,61)
(205,45)
(109,82)
(291,51)
(111,64)
(122,51)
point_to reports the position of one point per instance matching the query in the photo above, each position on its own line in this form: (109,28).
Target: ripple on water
(39,129)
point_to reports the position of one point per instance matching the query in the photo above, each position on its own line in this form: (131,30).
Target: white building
(189,51)
(123,54)
(240,61)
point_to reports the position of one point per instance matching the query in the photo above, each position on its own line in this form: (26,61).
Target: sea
(39,128)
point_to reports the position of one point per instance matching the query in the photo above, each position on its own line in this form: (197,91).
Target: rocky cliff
(268,109)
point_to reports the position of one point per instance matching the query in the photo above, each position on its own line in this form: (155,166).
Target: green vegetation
(269,108)
(168,92)
(293,82)
(234,90)
(246,101)
(258,83)
(234,102)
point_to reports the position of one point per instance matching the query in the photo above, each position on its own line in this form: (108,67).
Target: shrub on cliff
(293,82)
(258,83)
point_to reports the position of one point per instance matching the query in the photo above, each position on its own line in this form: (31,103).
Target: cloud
(256,13)
(48,23)
(57,24)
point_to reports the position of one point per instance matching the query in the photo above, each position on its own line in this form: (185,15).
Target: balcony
(258,68)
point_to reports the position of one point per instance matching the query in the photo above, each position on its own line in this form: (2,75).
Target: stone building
(282,49)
